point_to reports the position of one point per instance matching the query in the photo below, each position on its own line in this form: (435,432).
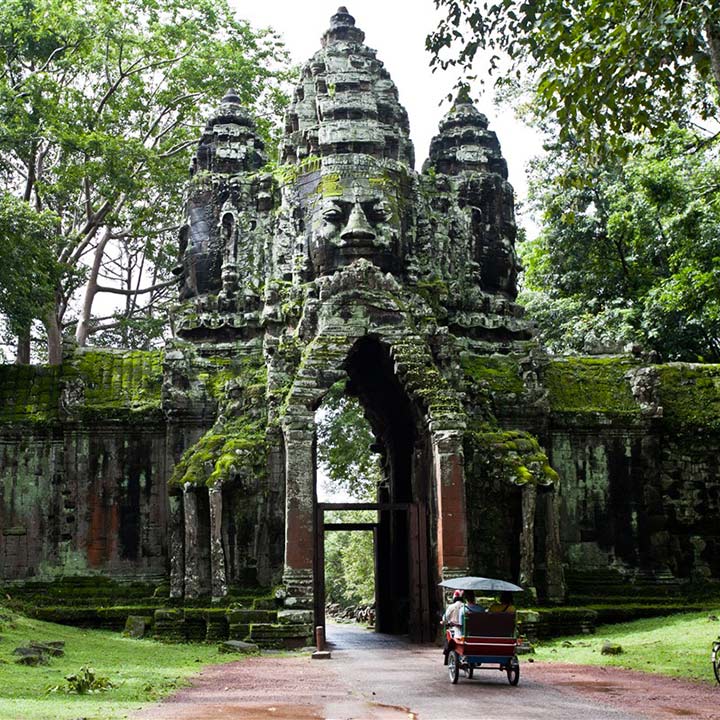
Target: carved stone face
(354,218)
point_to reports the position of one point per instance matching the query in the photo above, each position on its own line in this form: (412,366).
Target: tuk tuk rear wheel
(453,667)
(513,671)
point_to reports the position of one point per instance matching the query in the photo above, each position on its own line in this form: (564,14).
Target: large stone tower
(343,265)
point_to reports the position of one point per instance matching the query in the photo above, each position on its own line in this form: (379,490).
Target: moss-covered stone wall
(87,449)
(635,450)
(83,468)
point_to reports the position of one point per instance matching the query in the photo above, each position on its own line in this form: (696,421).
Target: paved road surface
(378,677)
(401,674)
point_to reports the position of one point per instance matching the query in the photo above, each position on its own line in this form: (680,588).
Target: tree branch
(137,291)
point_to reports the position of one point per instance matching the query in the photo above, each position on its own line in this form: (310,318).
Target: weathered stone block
(238,646)
(297,617)
(54,648)
(238,631)
(609,648)
(251,616)
(136,626)
(30,656)
(268,631)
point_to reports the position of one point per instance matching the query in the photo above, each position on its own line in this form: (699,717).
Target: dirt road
(376,677)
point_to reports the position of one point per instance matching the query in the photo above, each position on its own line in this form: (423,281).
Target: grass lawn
(142,670)
(677,645)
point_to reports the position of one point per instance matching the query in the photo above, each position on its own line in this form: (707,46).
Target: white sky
(397,30)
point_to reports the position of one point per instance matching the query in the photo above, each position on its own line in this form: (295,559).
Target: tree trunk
(527,537)
(54,338)
(23,348)
(712,35)
(83,327)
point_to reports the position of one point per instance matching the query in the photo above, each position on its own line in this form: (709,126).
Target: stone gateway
(197,464)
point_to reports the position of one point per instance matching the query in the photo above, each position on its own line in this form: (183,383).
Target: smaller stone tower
(222,243)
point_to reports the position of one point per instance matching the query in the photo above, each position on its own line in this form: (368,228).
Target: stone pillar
(449,469)
(554,562)
(299,506)
(192,546)
(217,553)
(177,546)
(527,537)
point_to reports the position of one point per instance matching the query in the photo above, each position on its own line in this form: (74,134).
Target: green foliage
(602,68)
(142,670)
(84,681)
(629,250)
(344,446)
(678,646)
(28,269)
(345,456)
(102,103)
(350,562)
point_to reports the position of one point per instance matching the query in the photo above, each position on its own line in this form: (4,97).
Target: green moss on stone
(110,382)
(500,374)
(585,385)
(435,292)
(29,393)
(690,394)
(514,455)
(424,381)
(330,186)
(120,379)
(236,444)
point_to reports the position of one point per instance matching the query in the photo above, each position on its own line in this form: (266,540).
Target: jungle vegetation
(101,103)
(627,197)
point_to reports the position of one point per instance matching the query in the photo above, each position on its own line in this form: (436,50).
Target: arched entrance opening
(404,598)
(398,514)
(418,423)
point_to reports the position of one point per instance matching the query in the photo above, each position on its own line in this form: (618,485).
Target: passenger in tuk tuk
(451,618)
(504,604)
(470,605)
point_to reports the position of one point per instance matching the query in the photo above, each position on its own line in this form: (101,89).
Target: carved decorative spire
(342,28)
(230,143)
(465,143)
(346,102)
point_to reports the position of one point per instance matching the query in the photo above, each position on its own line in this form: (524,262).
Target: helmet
(457,594)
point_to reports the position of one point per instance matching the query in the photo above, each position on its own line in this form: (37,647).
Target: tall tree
(28,271)
(351,467)
(602,68)
(344,446)
(629,251)
(100,102)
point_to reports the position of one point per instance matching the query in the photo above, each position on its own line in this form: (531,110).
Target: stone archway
(418,420)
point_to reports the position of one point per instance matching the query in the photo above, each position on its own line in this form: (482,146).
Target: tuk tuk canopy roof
(471,582)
